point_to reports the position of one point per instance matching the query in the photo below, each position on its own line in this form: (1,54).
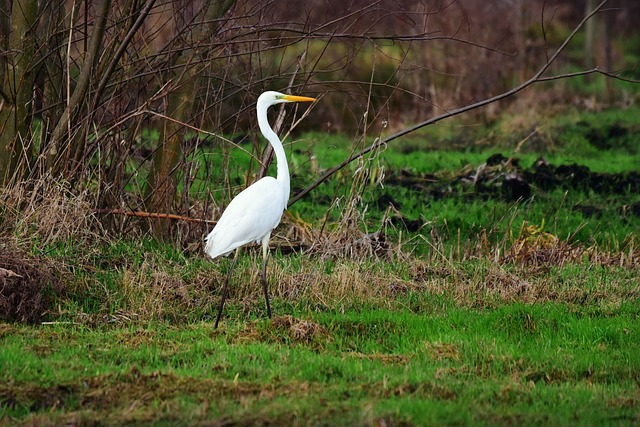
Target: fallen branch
(141,214)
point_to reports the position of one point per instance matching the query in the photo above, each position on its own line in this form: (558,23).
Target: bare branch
(536,78)
(155,215)
(85,75)
(122,48)
(585,72)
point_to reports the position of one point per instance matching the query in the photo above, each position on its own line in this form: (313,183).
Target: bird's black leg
(265,253)
(225,288)
(264,285)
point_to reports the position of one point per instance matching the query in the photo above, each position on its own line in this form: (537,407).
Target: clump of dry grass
(310,281)
(535,267)
(521,269)
(441,351)
(535,248)
(46,210)
(167,291)
(346,238)
(345,283)
(337,266)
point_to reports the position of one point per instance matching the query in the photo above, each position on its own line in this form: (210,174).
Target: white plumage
(257,210)
(250,216)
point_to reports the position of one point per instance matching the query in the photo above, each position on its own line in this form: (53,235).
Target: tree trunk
(58,158)
(520,29)
(53,85)
(18,78)
(608,55)
(162,182)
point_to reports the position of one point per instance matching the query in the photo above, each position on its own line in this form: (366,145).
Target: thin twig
(595,70)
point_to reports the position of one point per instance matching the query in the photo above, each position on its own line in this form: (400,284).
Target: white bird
(257,210)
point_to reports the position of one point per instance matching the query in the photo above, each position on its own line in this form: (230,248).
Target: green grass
(540,363)
(360,341)
(472,320)
(603,142)
(606,141)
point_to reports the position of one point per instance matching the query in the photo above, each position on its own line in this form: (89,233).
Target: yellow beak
(294,98)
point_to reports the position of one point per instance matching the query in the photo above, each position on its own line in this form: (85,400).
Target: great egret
(256,211)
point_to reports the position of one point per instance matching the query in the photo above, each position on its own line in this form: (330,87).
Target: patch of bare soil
(285,329)
(505,178)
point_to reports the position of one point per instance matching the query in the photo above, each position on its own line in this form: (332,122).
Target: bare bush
(117,98)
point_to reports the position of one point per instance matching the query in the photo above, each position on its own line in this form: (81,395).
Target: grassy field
(414,288)
(518,363)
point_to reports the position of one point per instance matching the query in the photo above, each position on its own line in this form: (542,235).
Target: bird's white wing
(250,216)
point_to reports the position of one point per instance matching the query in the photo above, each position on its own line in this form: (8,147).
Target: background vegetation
(481,270)
(85,84)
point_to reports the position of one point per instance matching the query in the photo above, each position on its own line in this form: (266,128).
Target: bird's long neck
(281,158)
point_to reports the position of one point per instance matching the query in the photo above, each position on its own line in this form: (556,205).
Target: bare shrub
(103,79)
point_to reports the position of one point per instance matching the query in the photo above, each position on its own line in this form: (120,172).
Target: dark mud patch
(504,178)
(606,137)
(547,177)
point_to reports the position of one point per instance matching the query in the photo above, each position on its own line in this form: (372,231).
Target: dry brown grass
(149,292)
(537,249)
(336,267)
(440,351)
(48,211)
